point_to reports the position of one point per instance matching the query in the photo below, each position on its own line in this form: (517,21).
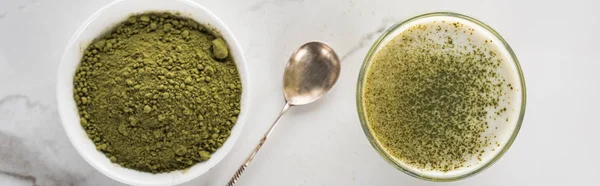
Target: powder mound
(155,95)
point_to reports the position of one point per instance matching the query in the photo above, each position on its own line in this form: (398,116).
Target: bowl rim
(241,65)
(361,110)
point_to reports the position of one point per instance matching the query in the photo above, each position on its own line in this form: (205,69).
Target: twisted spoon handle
(242,168)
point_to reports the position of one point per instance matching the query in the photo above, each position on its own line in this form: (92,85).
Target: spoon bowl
(310,73)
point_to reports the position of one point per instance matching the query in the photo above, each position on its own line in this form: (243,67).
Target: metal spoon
(310,73)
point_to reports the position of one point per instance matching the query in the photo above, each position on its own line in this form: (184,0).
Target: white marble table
(323,143)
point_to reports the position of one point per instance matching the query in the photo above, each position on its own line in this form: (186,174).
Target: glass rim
(362,114)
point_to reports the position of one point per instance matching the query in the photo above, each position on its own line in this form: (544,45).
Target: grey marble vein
(21,177)
(363,41)
(261,4)
(30,104)
(24,6)
(22,163)
(35,149)
(2,15)
(8,141)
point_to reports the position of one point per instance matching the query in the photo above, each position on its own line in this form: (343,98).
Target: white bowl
(100,22)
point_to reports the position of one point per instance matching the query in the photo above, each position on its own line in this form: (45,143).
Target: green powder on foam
(427,96)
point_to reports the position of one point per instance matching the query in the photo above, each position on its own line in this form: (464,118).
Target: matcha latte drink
(441,96)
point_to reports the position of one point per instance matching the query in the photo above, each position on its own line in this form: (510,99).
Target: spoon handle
(242,168)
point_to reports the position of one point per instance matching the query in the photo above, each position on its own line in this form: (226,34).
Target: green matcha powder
(158,93)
